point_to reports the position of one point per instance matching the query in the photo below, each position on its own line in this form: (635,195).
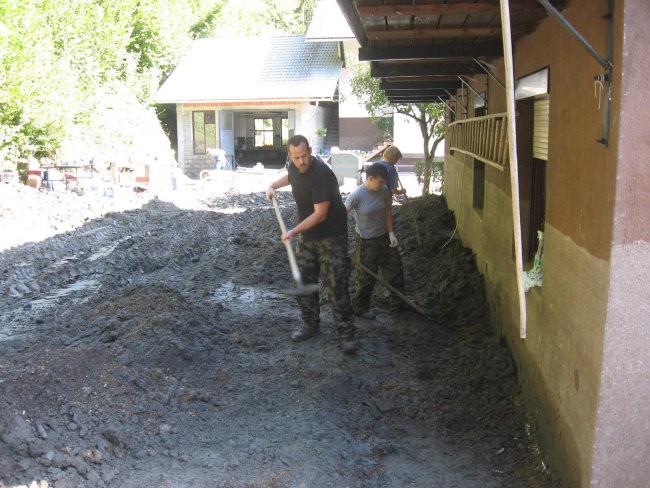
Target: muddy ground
(149,348)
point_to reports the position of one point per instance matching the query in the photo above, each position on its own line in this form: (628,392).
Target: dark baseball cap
(377,169)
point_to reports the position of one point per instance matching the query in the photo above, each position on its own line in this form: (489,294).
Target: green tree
(72,70)
(65,64)
(430,117)
(263,17)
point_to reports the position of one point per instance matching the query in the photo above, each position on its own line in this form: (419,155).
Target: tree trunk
(426,176)
(436,143)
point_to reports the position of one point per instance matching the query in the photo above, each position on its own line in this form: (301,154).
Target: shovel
(301,288)
(406,299)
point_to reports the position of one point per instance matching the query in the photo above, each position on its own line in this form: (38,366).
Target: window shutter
(540,129)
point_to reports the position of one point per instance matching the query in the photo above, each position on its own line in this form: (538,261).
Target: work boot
(396,307)
(367,314)
(349,346)
(304,332)
(347,333)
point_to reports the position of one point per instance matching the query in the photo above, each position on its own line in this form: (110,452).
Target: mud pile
(442,272)
(149,347)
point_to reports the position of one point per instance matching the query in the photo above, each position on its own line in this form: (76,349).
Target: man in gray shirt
(376,244)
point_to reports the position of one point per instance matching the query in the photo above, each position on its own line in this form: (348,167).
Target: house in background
(249,95)
(355,130)
(574,205)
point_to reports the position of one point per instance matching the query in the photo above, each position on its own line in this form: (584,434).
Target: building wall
(622,444)
(357,132)
(560,362)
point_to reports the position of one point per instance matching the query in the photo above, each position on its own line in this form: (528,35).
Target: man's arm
(320,214)
(396,184)
(279,183)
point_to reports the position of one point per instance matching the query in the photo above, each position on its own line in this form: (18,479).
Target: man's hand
(288,235)
(393,239)
(270,193)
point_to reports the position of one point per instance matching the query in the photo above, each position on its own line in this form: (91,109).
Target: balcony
(484,138)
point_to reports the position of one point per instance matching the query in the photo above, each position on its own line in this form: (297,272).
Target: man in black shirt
(322,240)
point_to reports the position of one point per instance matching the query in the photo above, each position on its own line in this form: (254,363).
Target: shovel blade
(304,289)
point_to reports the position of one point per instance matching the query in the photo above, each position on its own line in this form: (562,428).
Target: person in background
(322,245)
(391,156)
(376,244)
(219,156)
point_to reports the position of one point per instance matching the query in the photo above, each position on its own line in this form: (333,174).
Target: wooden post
(514,168)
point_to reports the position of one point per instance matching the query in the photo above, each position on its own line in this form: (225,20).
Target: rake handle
(293,263)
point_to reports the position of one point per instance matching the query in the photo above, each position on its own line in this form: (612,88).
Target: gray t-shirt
(369,210)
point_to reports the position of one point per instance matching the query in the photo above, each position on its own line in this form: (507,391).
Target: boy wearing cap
(391,156)
(376,244)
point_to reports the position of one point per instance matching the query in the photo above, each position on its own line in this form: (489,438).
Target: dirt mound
(440,270)
(150,347)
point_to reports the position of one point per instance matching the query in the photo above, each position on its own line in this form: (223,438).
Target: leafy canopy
(430,117)
(74,72)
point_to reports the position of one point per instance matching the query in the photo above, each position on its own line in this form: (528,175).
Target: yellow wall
(559,363)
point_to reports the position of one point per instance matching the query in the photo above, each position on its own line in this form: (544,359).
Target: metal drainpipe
(472,89)
(448,106)
(514,165)
(488,72)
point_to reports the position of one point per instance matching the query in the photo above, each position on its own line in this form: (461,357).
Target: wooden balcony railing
(484,138)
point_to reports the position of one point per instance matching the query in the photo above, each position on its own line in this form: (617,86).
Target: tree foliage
(261,17)
(429,116)
(77,77)
(61,61)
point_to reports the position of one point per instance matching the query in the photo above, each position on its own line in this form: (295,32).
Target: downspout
(514,165)
(448,106)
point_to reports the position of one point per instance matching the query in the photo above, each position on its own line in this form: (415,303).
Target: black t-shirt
(317,185)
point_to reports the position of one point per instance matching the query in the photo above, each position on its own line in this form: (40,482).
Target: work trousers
(377,255)
(327,258)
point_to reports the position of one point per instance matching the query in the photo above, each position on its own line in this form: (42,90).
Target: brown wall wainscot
(560,363)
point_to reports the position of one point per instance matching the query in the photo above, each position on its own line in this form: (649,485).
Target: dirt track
(149,348)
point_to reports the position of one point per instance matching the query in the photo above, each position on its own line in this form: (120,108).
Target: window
(532,139)
(479,185)
(537,206)
(264,132)
(205,131)
(285,132)
(480,106)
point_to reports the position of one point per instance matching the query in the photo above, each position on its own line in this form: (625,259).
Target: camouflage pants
(376,254)
(328,257)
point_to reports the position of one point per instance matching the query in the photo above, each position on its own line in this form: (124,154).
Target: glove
(393,239)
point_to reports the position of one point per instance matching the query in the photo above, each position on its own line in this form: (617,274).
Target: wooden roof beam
(415,93)
(420,85)
(408,9)
(408,101)
(428,79)
(378,35)
(421,70)
(491,49)
(400,34)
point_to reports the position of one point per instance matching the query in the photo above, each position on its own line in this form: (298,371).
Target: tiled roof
(254,68)
(328,23)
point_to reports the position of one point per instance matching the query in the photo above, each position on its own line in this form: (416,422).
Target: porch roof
(420,49)
(254,69)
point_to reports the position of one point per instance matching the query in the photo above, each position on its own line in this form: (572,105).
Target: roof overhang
(424,44)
